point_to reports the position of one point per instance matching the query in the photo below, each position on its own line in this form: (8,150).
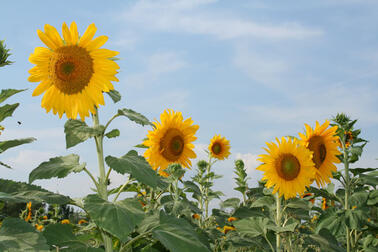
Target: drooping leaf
(7,110)
(253,226)
(177,235)
(192,187)
(245,212)
(231,202)
(57,167)
(112,133)
(138,167)
(61,235)
(326,241)
(298,203)
(78,131)
(119,219)
(114,95)
(134,116)
(18,235)
(267,201)
(11,191)
(6,93)
(5,145)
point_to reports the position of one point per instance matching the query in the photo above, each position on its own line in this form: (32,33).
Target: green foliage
(119,219)
(134,116)
(6,93)
(114,95)
(78,131)
(11,191)
(4,54)
(7,110)
(58,167)
(137,167)
(5,145)
(241,179)
(18,235)
(113,133)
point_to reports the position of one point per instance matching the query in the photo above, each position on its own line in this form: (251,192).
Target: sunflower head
(73,72)
(287,166)
(219,147)
(170,141)
(323,142)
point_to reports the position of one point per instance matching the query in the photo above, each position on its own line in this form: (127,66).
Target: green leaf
(370,178)
(231,202)
(61,235)
(134,116)
(267,201)
(78,131)
(245,212)
(112,133)
(11,191)
(4,145)
(114,95)
(138,167)
(373,198)
(177,235)
(192,187)
(57,167)
(357,171)
(253,226)
(6,93)
(327,241)
(298,203)
(18,235)
(7,110)
(119,219)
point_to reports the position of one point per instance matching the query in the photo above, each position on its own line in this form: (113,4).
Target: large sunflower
(219,147)
(73,71)
(170,141)
(288,167)
(323,143)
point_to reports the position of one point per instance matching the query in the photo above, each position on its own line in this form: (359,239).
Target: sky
(248,70)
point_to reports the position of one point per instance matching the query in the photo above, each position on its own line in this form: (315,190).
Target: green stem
(121,189)
(207,188)
(270,244)
(129,243)
(91,176)
(102,185)
(278,221)
(347,190)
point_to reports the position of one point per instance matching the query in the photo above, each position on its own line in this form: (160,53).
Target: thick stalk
(278,221)
(347,191)
(207,188)
(102,185)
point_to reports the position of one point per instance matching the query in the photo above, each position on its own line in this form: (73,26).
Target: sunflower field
(310,197)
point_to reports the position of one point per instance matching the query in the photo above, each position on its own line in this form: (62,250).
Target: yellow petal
(88,35)
(74,33)
(46,40)
(66,34)
(97,43)
(53,34)
(42,87)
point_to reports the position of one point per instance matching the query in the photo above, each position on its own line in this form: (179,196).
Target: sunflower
(323,143)
(288,167)
(73,72)
(170,141)
(219,147)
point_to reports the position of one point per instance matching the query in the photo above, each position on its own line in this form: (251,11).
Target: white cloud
(185,17)
(29,159)
(250,162)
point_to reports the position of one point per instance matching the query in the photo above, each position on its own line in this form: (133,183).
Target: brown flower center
(317,145)
(216,148)
(172,145)
(288,166)
(71,69)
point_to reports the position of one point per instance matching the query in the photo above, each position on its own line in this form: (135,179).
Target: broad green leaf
(298,203)
(177,235)
(357,171)
(134,116)
(57,167)
(61,235)
(331,221)
(119,219)
(114,95)
(370,178)
(245,212)
(138,167)
(7,110)
(18,235)
(231,202)
(192,187)
(11,191)
(267,201)
(78,131)
(6,93)
(326,241)
(373,198)
(5,145)
(253,226)
(112,133)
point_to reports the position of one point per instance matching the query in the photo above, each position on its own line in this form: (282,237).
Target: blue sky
(249,70)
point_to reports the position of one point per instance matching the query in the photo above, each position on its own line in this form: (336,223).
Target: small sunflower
(219,147)
(323,143)
(170,141)
(288,167)
(73,71)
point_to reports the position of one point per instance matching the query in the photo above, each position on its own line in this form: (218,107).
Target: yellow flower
(73,71)
(226,229)
(325,205)
(196,216)
(219,147)
(323,143)
(28,206)
(314,218)
(288,167)
(82,222)
(308,195)
(65,221)
(170,141)
(39,227)
(231,219)
(45,217)
(354,207)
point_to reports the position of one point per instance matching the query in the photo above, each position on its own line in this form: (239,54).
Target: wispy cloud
(187,17)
